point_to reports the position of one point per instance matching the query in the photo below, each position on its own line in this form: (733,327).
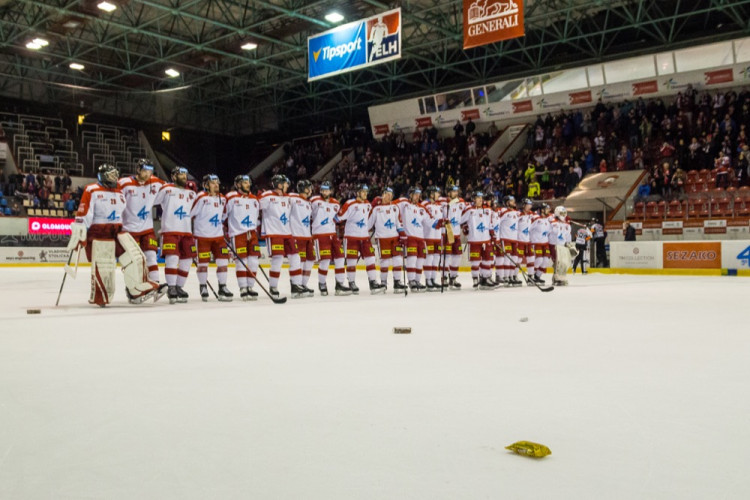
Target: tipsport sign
(356,45)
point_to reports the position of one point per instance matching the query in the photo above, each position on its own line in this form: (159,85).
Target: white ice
(638,385)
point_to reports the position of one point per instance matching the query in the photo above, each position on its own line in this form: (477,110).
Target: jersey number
(215,220)
(324,221)
(246,221)
(389,224)
(283,219)
(112,216)
(180,212)
(481,227)
(306,221)
(143,215)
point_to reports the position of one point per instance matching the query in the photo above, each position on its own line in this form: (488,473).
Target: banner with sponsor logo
(35,255)
(692,255)
(469,114)
(351,46)
(381,129)
(489,21)
(39,225)
(735,254)
(639,255)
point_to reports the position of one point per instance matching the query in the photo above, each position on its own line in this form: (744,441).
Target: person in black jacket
(629,231)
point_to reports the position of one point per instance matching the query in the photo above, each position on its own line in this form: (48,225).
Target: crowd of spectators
(39,190)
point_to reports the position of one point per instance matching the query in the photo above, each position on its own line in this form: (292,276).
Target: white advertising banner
(636,254)
(36,255)
(735,254)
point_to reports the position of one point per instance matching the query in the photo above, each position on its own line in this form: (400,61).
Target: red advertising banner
(580,97)
(692,255)
(424,121)
(649,87)
(719,76)
(489,21)
(381,129)
(469,114)
(522,106)
(40,225)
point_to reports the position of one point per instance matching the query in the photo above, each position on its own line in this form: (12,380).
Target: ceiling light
(77,66)
(172,73)
(250,46)
(72,24)
(40,41)
(107,7)
(33,46)
(334,17)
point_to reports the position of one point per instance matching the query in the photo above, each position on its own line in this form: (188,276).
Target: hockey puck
(524,319)
(33,311)
(402,329)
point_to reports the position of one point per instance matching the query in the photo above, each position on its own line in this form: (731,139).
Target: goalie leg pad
(562,263)
(133,263)
(103,266)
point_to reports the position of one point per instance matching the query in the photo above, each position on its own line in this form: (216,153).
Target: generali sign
(489,21)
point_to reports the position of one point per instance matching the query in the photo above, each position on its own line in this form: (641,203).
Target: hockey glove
(77,236)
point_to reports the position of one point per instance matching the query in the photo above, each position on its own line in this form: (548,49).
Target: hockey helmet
(325,185)
(278,180)
(414,190)
(303,185)
(209,178)
(107,175)
(361,187)
(527,201)
(509,198)
(144,164)
(177,170)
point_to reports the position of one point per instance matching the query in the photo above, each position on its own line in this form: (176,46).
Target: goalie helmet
(278,181)
(303,185)
(561,212)
(107,175)
(144,164)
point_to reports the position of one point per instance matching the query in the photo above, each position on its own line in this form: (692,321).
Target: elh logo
(383,36)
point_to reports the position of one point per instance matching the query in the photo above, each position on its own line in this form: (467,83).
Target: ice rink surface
(638,385)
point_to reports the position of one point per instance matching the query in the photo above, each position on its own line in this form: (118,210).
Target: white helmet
(560,212)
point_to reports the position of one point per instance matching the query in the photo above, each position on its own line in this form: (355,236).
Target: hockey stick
(526,276)
(403,273)
(207,282)
(65,275)
(276,300)
(73,271)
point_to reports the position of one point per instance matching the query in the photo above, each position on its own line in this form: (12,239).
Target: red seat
(638,211)
(741,207)
(704,174)
(703,207)
(661,209)
(725,208)
(675,211)
(692,177)
(693,187)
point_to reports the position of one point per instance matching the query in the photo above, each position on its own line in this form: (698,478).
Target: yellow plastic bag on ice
(529,449)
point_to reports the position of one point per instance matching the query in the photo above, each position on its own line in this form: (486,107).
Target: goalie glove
(573,250)
(77,236)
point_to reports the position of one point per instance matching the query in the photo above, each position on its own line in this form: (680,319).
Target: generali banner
(489,21)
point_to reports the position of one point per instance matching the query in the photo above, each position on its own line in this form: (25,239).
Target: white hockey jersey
(386,221)
(540,228)
(478,222)
(300,216)
(508,224)
(276,210)
(414,219)
(435,212)
(323,214)
(355,214)
(176,204)
(139,201)
(453,213)
(100,205)
(524,226)
(208,215)
(242,212)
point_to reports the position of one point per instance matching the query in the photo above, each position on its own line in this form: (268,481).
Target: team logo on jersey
(513,227)
(415,223)
(361,223)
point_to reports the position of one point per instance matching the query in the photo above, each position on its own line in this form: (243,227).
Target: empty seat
(652,210)
(639,211)
(674,210)
(692,177)
(741,207)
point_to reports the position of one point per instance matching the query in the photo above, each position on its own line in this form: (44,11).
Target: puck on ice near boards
(402,329)
(524,319)
(33,311)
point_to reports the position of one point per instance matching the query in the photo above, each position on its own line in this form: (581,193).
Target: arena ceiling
(223,88)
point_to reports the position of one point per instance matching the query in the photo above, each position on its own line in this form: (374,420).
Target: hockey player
(560,237)
(540,228)
(508,241)
(300,223)
(140,192)
(327,244)
(414,217)
(276,209)
(98,229)
(386,222)
(177,242)
(433,239)
(475,221)
(525,252)
(242,212)
(453,211)
(355,214)
(583,235)
(208,213)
